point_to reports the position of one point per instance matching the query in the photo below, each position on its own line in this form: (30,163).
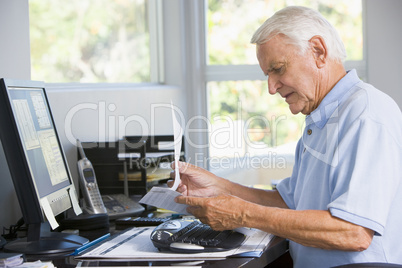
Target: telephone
(119,205)
(116,205)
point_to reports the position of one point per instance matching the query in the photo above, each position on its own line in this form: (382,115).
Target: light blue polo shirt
(349,161)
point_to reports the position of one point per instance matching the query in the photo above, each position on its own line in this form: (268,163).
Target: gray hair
(299,25)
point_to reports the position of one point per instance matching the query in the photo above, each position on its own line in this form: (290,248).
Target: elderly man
(342,203)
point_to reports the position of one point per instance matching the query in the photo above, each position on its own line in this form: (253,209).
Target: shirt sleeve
(366,176)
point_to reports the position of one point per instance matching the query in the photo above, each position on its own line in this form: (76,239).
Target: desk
(277,247)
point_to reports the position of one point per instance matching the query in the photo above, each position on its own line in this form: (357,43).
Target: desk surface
(277,247)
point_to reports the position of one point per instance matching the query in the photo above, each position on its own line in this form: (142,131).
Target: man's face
(295,77)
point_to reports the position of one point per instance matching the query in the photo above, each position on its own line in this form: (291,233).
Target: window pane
(89,41)
(231,24)
(247,121)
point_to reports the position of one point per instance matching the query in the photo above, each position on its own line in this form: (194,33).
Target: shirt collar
(332,100)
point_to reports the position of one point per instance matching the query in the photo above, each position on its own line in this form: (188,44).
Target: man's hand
(196,181)
(223,212)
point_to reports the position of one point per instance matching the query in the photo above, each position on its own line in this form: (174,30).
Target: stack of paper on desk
(135,244)
(10,259)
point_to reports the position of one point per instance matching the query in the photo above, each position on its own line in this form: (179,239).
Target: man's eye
(277,70)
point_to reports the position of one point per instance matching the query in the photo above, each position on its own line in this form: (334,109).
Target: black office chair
(369,265)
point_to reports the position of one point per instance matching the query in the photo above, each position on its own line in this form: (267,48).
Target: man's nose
(273,84)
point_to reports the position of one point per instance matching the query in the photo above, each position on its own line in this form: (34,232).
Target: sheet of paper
(47,210)
(177,133)
(164,198)
(135,244)
(74,201)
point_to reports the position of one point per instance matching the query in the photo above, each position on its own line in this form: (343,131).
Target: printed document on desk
(135,244)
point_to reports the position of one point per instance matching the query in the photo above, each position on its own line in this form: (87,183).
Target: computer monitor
(38,167)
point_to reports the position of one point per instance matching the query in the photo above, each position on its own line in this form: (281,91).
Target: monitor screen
(35,156)
(39,139)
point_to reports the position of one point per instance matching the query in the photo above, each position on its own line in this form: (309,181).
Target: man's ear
(319,50)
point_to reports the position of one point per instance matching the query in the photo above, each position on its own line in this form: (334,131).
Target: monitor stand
(47,243)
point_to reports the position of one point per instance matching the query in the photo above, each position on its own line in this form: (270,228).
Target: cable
(13,230)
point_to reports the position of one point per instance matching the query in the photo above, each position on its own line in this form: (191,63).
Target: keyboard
(126,222)
(192,236)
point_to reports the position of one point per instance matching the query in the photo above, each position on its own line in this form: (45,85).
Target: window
(238,101)
(246,119)
(90,41)
(229,37)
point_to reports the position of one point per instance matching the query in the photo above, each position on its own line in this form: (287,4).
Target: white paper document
(164,197)
(135,244)
(161,197)
(49,213)
(177,134)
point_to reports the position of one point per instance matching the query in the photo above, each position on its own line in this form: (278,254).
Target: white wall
(384,41)
(108,114)
(14,63)
(14,29)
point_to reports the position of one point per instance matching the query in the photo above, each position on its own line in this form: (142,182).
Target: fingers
(224,212)
(170,183)
(183,166)
(194,205)
(182,188)
(187,200)
(205,210)
(187,168)
(191,170)
(198,181)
